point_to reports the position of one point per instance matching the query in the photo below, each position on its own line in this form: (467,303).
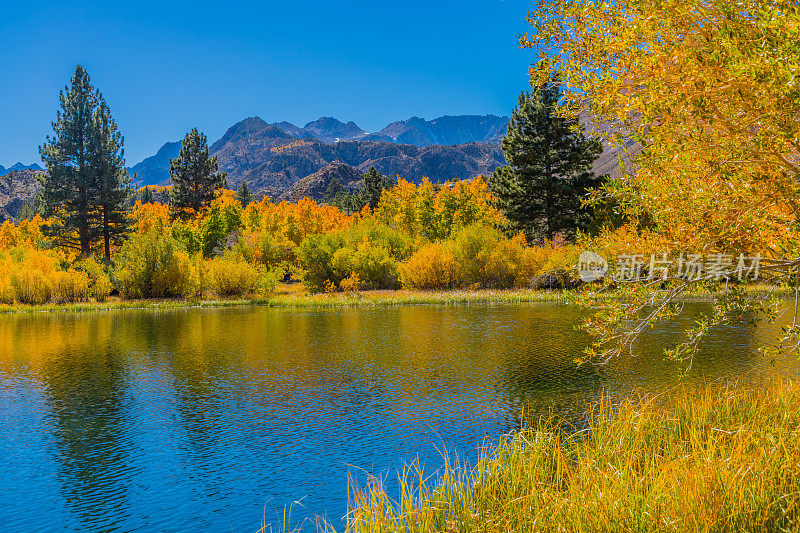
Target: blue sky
(165,67)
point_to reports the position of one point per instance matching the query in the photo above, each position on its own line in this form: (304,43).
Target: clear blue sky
(165,67)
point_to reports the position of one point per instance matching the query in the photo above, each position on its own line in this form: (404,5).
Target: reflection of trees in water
(85,391)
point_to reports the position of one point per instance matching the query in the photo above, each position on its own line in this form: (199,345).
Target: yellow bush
(70,286)
(150,266)
(31,286)
(431,267)
(102,288)
(351,284)
(487,257)
(227,277)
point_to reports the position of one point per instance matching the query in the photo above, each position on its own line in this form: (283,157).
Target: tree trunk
(106,236)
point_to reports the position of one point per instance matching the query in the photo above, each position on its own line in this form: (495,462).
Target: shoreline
(301,300)
(291,297)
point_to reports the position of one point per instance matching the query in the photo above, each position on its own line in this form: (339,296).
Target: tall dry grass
(718,459)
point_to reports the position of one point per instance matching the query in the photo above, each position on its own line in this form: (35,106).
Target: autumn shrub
(6,291)
(100,285)
(315,256)
(433,266)
(269,280)
(437,211)
(487,258)
(229,277)
(31,286)
(151,265)
(351,284)
(558,269)
(70,286)
(369,249)
(101,288)
(218,226)
(264,249)
(36,276)
(372,264)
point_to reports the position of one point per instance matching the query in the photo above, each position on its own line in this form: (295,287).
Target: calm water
(213,419)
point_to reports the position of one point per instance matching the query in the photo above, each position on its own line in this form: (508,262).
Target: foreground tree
(85,187)
(709,89)
(195,177)
(67,186)
(549,168)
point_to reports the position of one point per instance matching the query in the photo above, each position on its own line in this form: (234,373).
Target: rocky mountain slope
(272,160)
(272,157)
(446,130)
(16,189)
(315,186)
(154,170)
(282,160)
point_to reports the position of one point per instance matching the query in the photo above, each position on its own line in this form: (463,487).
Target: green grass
(718,459)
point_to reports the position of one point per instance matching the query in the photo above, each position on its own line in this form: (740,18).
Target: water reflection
(163,420)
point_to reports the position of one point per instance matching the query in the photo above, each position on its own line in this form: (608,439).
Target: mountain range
(271,157)
(18,166)
(284,161)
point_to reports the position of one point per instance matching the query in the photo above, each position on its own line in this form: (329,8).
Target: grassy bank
(709,460)
(295,296)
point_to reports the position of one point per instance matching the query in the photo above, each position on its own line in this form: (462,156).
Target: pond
(217,419)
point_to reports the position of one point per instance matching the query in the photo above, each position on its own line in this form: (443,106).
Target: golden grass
(296,296)
(718,459)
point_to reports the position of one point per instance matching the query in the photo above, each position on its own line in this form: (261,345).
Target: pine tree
(69,186)
(195,177)
(549,168)
(374,184)
(243,194)
(334,189)
(112,183)
(147,195)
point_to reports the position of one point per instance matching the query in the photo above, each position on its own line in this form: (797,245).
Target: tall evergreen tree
(195,177)
(243,194)
(112,183)
(69,186)
(549,167)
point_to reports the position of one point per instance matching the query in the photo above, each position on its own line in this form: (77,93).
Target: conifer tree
(147,195)
(334,189)
(195,177)
(549,168)
(112,183)
(374,184)
(86,185)
(69,185)
(243,194)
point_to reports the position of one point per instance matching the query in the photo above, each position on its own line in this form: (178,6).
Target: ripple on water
(213,418)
